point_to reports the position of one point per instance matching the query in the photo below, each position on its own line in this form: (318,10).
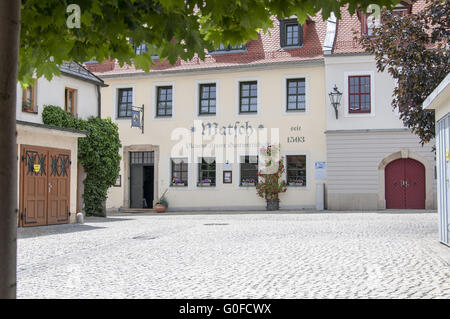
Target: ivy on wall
(98,153)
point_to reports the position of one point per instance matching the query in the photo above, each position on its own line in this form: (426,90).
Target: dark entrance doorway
(142,179)
(405,184)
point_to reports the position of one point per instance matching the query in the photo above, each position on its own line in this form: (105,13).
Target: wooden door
(34,186)
(414,184)
(44,186)
(58,187)
(136,186)
(405,184)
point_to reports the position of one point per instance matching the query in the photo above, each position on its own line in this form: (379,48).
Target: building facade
(439,101)
(374,162)
(362,154)
(50,178)
(204,122)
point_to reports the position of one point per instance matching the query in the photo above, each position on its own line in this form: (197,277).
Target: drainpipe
(99,101)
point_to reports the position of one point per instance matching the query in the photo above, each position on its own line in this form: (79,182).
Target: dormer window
(369,21)
(291,33)
(140,49)
(229,48)
(368,24)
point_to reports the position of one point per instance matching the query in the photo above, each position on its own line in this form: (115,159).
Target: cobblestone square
(386,254)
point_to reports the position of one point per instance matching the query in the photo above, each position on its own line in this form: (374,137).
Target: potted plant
(270,183)
(162,204)
(178,182)
(297,182)
(205,182)
(248,182)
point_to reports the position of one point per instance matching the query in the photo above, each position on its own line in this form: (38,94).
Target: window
(164,101)
(249,170)
(125,102)
(142,158)
(70,105)
(29,99)
(296,170)
(207,172)
(207,99)
(291,33)
(248,97)
(139,49)
(229,48)
(179,172)
(295,95)
(359,94)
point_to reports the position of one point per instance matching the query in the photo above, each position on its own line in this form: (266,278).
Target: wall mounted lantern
(335,98)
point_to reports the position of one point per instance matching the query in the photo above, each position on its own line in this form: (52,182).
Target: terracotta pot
(160,208)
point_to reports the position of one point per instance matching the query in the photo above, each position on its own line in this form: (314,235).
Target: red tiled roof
(265,50)
(347,24)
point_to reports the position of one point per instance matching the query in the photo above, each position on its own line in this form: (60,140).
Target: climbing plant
(98,152)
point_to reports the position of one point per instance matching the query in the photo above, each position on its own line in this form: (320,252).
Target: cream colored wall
(271,114)
(27,135)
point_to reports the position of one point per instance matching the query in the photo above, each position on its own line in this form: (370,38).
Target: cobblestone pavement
(253,255)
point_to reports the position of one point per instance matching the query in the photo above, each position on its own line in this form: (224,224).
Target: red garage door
(405,184)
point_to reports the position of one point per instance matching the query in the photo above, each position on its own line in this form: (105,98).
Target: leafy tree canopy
(414,50)
(169,28)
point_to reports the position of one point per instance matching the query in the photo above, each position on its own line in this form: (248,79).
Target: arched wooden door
(405,184)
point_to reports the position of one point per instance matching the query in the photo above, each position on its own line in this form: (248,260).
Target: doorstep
(137,210)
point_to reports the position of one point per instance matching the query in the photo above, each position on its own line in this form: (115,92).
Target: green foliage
(163,200)
(413,49)
(171,28)
(98,153)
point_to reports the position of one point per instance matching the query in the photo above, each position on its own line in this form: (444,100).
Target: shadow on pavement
(31,232)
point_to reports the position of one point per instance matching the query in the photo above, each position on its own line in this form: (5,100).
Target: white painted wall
(382,116)
(52,93)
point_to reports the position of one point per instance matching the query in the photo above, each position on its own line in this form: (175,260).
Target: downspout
(99,102)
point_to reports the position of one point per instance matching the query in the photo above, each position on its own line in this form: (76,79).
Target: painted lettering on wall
(296,138)
(237,128)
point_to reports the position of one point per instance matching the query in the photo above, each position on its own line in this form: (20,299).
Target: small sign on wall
(118,181)
(227,177)
(320,170)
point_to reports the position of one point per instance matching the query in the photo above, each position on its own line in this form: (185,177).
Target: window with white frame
(296,94)
(296,170)
(124,102)
(207,172)
(248,170)
(179,168)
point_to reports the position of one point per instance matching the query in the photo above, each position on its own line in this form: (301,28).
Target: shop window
(164,101)
(71,98)
(359,94)
(179,172)
(291,33)
(29,99)
(296,95)
(124,102)
(248,97)
(207,172)
(207,99)
(248,170)
(296,170)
